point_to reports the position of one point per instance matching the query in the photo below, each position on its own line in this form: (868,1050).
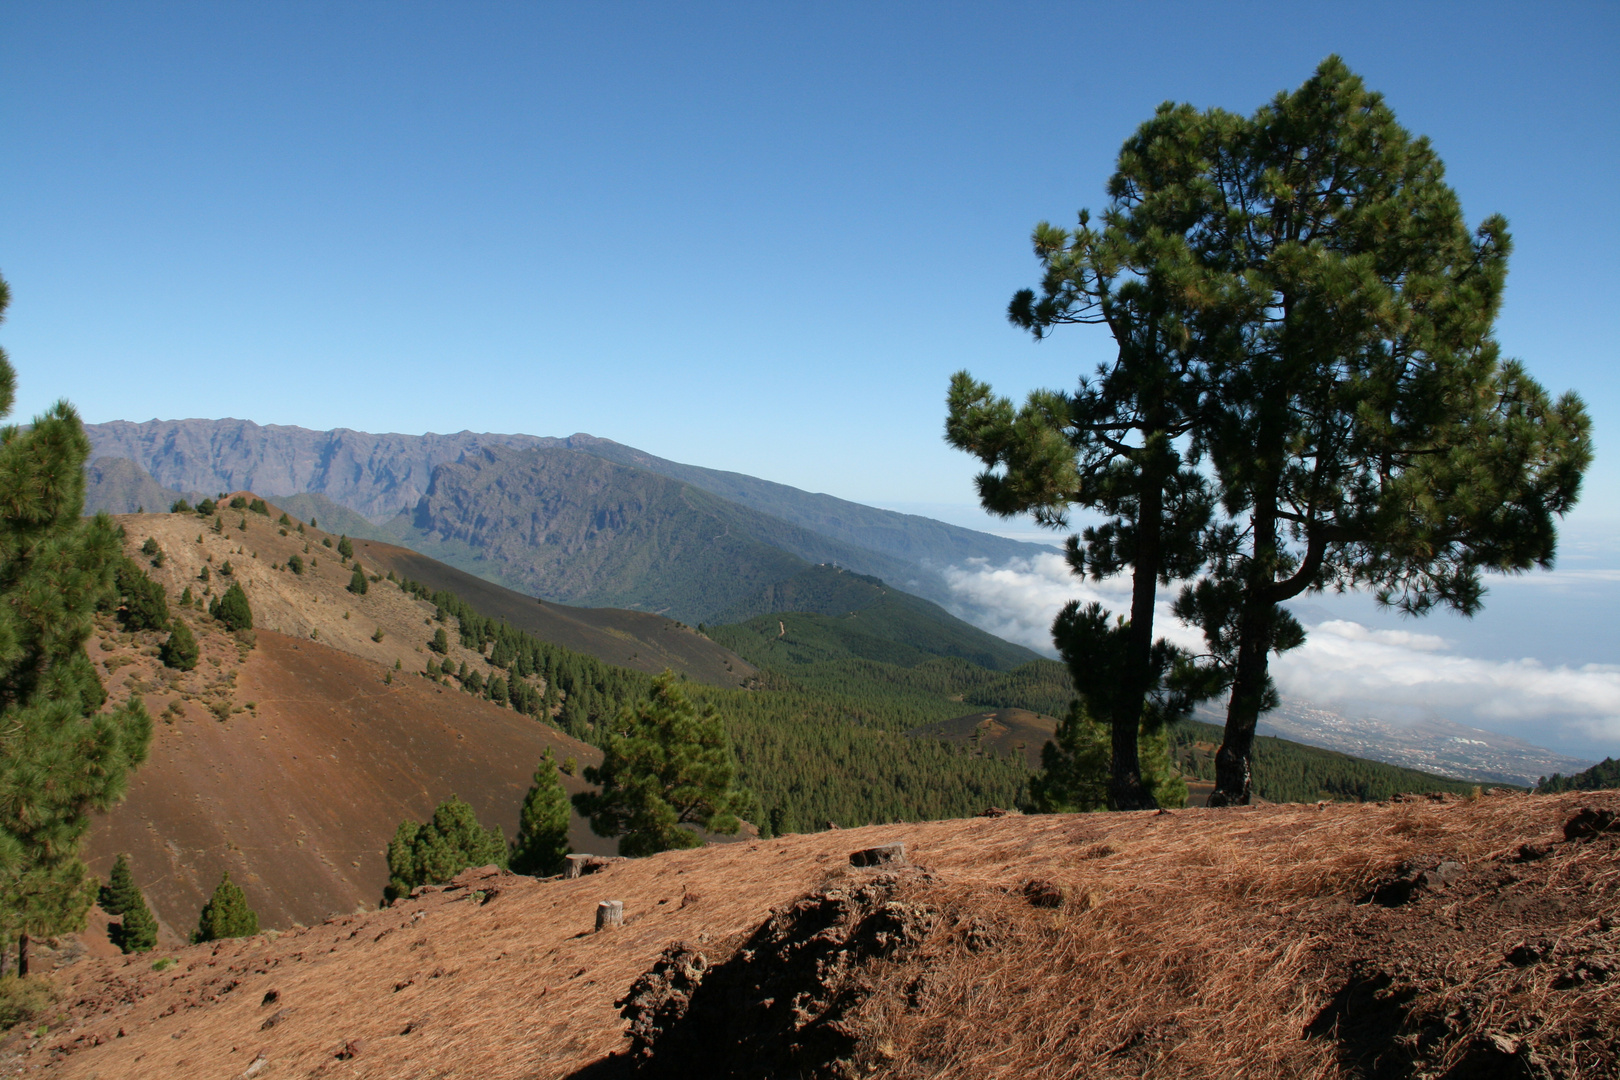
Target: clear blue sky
(756,237)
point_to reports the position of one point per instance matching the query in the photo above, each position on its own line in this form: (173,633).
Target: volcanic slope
(290,763)
(1444,936)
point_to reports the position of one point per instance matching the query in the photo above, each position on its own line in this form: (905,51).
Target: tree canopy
(440,848)
(542,838)
(63,756)
(227,914)
(666,771)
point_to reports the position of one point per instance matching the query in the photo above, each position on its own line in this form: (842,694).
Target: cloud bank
(1389,674)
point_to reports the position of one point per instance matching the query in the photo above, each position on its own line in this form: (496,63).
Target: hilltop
(290,754)
(1470,938)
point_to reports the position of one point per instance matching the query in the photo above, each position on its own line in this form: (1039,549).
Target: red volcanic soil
(1430,936)
(298,796)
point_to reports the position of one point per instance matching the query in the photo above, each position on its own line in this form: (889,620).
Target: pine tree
(121,896)
(226,915)
(232,609)
(357,581)
(295,563)
(542,838)
(62,756)
(1363,429)
(180,651)
(441,642)
(345,547)
(671,766)
(141,602)
(1075,765)
(438,850)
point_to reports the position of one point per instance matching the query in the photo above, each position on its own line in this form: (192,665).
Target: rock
(883,855)
(610,915)
(1588,822)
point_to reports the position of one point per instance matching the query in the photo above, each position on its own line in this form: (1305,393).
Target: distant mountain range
(579,520)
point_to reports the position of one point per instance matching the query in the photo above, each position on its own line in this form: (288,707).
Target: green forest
(821,737)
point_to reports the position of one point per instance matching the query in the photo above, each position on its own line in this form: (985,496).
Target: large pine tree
(63,756)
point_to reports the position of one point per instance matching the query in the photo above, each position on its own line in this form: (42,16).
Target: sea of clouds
(1348,665)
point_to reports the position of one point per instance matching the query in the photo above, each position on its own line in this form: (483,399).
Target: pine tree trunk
(22,955)
(1234,769)
(1125,788)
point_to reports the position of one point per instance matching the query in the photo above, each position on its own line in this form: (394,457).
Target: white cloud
(1391,674)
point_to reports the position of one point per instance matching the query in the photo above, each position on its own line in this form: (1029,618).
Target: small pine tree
(434,852)
(671,767)
(257,506)
(180,506)
(357,582)
(121,896)
(150,548)
(238,502)
(186,597)
(441,642)
(206,507)
(180,651)
(284,520)
(1075,767)
(232,609)
(142,604)
(345,548)
(226,915)
(542,838)
(295,563)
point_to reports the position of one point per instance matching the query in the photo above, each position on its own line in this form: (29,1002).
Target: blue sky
(753,237)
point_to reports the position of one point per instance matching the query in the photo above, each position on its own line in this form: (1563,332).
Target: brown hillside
(298,795)
(632,639)
(1417,937)
(1000,731)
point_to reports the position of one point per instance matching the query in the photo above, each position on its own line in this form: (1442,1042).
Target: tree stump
(609,915)
(882,855)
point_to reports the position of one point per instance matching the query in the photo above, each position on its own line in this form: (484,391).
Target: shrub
(23,999)
(180,651)
(345,548)
(441,642)
(238,503)
(180,506)
(207,507)
(357,582)
(232,609)
(284,520)
(295,564)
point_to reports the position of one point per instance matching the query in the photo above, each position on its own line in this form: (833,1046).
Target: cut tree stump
(882,855)
(610,915)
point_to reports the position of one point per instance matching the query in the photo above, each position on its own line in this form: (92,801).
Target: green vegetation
(257,506)
(1074,772)
(542,838)
(23,1000)
(62,756)
(357,581)
(438,850)
(140,602)
(1296,299)
(180,650)
(1605,774)
(295,563)
(180,506)
(206,508)
(231,608)
(226,915)
(667,766)
(122,897)
(345,548)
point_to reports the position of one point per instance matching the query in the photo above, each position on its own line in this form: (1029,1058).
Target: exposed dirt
(1422,937)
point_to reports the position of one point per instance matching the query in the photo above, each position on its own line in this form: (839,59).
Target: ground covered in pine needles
(1422,937)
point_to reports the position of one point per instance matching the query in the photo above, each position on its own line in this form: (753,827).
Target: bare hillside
(1463,938)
